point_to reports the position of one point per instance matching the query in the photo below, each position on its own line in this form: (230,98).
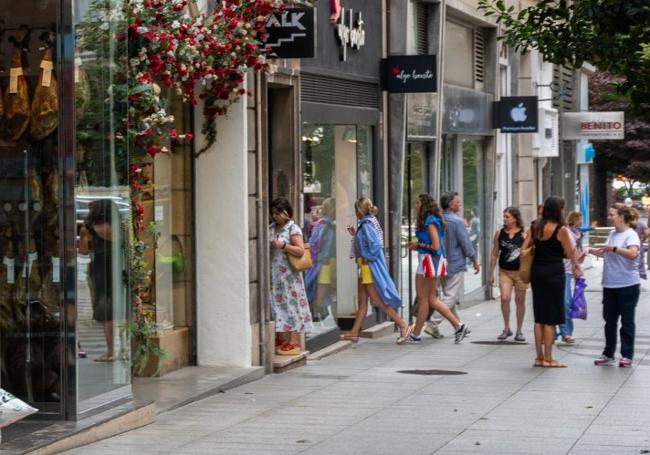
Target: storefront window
(337,169)
(473,206)
(102,203)
(31,312)
(459,55)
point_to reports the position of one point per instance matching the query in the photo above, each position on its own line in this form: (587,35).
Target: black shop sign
(292,33)
(517,114)
(409,74)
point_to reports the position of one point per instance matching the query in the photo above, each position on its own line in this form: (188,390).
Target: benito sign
(593,125)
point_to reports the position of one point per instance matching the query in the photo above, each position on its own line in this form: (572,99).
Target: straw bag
(302,263)
(526,263)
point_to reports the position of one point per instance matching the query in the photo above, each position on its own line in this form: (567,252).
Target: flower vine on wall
(158,46)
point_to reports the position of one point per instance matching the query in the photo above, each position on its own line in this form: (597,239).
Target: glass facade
(65,218)
(102,202)
(337,169)
(464,170)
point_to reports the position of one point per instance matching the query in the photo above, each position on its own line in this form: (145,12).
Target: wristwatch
(614,249)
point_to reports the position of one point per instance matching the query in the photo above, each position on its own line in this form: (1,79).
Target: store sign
(292,33)
(517,114)
(467,111)
(586,153)
(410,74)
(349,31)
(546,143)
(421,109)
(593,125)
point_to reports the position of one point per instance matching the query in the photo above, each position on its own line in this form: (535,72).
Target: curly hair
(428,206)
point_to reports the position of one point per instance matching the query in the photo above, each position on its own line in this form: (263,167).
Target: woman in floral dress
(289,304)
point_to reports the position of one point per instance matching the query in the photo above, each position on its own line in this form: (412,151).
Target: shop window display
(31,313)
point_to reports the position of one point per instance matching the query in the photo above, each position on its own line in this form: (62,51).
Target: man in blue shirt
(458,248)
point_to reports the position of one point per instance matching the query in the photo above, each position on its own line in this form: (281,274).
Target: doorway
(415,183)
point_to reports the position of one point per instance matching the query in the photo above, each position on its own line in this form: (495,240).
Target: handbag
(579,302)
(526,263)
(302,263)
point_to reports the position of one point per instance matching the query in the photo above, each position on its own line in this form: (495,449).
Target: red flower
(173,133)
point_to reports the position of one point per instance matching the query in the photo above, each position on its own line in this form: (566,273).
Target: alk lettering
(287,19)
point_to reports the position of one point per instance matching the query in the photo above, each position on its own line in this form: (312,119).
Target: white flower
(176,24)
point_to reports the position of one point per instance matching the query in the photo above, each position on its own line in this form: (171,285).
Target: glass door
(337,169)
(473,197)
(31,312)
(102,204)
(414,185)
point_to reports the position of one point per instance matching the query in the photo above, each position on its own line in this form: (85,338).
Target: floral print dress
(289,305)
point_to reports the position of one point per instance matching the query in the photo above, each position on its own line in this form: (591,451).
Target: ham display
(45,107)
(16,102)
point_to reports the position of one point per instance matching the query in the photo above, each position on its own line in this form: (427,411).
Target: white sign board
(593,125)
(12,409)
(546,143)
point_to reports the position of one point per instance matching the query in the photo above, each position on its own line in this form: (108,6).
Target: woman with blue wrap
(374,280)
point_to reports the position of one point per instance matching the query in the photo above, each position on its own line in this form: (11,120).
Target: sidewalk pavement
(360,401)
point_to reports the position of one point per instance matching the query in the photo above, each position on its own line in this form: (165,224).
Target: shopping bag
(12,409)
(579,302)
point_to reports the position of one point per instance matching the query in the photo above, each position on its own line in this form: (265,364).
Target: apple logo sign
(518,113)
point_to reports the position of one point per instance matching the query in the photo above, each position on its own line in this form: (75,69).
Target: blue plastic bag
(579,302)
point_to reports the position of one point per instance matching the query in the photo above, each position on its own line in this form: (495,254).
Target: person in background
(289,304)
(457,248)
(506,248)
(552,241)
(621,285)
(645,201)
(374,280)
(574,221)
(431,266)
(642,231)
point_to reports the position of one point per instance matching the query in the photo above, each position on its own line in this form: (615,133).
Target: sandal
(554,364)
(402,339)
(568,340)
(350,337)
(104,358)
(539,363)
(288,349)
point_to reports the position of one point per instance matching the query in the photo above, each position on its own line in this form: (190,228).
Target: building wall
(222,239)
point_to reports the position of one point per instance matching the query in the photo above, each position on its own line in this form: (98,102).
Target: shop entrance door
(414,185)
(337,169)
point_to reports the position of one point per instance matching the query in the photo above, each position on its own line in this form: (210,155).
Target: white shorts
(430,266)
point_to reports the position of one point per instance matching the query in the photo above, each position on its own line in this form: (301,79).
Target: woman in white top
(621,285)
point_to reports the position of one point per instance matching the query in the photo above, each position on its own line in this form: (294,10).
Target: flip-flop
(403,339)
(554,364)
(104,358)
(352,338)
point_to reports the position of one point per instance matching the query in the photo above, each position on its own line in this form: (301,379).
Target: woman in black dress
(552,242)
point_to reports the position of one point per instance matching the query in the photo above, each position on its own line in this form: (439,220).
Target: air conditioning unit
(546,143)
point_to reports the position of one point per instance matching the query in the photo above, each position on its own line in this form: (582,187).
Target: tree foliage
(613,35)
(630,157)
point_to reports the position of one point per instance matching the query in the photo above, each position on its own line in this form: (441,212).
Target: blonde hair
(364,207)
(573,218)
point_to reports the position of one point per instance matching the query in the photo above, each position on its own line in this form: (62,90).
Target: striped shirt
(380,233)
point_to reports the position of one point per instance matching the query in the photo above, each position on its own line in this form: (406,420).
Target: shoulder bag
(526,263)
(302,263)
